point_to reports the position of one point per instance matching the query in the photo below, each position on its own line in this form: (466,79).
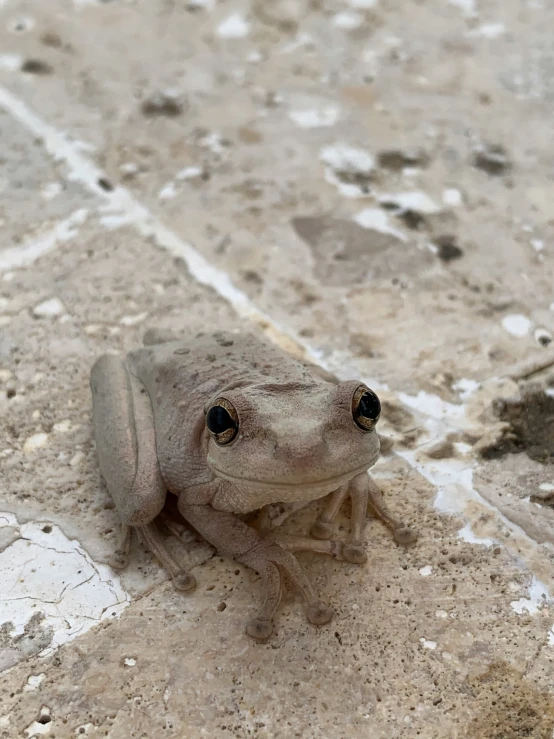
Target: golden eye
(222,421)
(366,408)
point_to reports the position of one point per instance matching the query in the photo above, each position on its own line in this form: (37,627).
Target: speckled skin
(296,441)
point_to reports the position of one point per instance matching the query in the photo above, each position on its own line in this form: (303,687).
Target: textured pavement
(368,184)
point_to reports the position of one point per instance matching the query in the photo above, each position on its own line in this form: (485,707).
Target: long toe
(118,561)
(184,581)
(319,614)
(354,553)
(405,535)
(260,628)
(322,530)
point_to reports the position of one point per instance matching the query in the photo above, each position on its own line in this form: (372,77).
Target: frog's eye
(222,421)
(366,408)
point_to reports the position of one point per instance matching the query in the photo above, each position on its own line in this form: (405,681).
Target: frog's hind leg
(152,538)
(126,448)
(120,558)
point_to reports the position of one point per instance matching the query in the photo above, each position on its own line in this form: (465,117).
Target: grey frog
(230,425)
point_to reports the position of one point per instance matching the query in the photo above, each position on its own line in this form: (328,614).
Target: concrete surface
(367,182)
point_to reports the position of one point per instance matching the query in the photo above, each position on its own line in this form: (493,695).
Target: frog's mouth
(312,489)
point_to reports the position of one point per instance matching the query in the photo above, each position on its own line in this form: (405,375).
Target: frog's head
(292,441)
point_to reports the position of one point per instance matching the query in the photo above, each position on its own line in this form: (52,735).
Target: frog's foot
(267,559)
(354,553)
(182,580)
(402,534)
(235,538)
(363,492)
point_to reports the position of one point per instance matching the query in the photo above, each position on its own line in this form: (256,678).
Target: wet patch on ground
(529,420)
(510,706)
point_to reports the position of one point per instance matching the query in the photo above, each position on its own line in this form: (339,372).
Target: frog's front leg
(235,539)
(362,491)
(126,447)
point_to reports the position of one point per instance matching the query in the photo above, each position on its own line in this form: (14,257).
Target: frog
(230,424)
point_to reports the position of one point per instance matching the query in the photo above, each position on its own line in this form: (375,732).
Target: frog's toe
(354,553)
(322,530)
(319,613)
(405,535)
(118,561)
(260,628)
(184,581)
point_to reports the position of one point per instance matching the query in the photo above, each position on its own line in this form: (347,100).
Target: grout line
(124,209)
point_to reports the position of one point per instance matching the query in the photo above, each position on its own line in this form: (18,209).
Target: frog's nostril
(300,452)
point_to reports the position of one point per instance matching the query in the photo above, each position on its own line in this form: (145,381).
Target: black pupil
(369,406)
(219,420)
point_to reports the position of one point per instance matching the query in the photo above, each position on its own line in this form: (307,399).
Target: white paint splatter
(233,27)
(416,201)
(42,726)
(188,173)
(363,4)
(34,442)
(76,459)
(322,118)
(33,681)
(10,62)
(516,324)
(427,644)
(49,308)
(452,197)
(63,427)
(168,191)
(537,244)
(465,387)
(489,30)
(24,255)
(346,158)
(129,169)
(348,21)
(51,190)
(214,142)
(433,406)
(44,571)
(547,487)
(377,219)
(133,320)
(468,6)
(425,571)
(466,534)
(129,661)
(538,597)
